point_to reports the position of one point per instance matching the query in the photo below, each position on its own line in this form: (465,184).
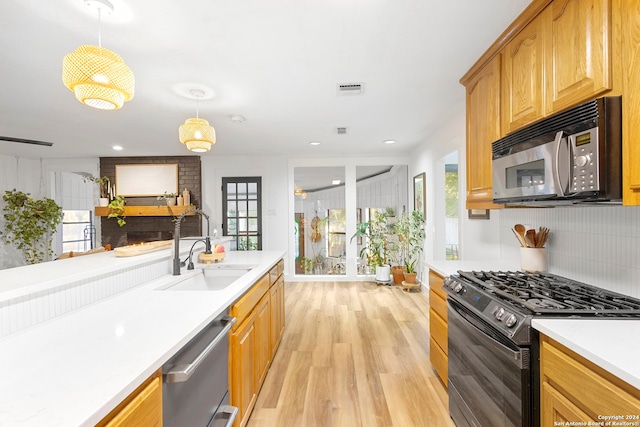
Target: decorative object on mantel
(186,197)
(116,210)
(29,224)
(105,188)
(196,134)
(169,198)
(98,76)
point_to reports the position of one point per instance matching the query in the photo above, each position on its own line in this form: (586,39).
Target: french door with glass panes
(241,212)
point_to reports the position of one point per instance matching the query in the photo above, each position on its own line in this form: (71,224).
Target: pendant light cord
(99,22)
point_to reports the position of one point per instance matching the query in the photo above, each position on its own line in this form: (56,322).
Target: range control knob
(458,288)
(499,313)
(510,320)
(448,282)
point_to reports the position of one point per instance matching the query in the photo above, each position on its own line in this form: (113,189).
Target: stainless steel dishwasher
(195,389)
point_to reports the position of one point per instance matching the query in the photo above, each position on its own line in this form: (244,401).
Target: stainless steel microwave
(571,157)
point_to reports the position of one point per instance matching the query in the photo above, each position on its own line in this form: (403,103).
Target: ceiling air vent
(345,89)
(341,131)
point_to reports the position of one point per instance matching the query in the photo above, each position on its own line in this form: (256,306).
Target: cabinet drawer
(435,284)
(439,361)
(143,407)
(276,271)
(438,330)
(593,389)
(438,304)
(244,305)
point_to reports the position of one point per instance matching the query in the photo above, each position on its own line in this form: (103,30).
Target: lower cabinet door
(243,369)
(558,410)
(143,407)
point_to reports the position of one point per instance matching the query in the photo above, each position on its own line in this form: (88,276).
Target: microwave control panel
(584,146)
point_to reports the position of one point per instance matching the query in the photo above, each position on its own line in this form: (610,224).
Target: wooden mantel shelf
(146,210)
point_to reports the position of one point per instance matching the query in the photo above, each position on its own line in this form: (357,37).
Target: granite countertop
(74,369)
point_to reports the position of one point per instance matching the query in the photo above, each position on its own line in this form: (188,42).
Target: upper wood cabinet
(483,127)
(578,52)
(523,99)
(631,104)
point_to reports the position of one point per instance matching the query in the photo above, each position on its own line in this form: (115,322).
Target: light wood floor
(353,354)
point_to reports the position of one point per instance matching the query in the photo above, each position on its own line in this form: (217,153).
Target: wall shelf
(147,210)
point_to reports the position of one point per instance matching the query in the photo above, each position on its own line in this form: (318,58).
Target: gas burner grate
(544,293)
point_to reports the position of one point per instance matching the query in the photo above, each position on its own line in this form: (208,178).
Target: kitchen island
(73,368)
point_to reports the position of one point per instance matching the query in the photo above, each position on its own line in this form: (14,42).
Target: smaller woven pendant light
(98,76)
(197,134)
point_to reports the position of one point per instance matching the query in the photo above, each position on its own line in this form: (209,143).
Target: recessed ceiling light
(390,141)
(335,182)
(314,143)
(117,147)
(236,118)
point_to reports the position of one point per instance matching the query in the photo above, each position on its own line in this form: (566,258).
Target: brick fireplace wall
(148,228)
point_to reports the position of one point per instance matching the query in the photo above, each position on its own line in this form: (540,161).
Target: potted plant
(376,249)
(410,229)
(104,186)
(307,265)
(169,198)
(29,224)
(116,210)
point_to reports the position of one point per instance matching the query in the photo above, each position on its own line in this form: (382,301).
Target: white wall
(478,238)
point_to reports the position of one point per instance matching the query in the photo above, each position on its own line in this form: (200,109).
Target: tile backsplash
(598,245)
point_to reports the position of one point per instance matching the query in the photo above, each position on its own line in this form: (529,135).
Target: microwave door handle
(556,169)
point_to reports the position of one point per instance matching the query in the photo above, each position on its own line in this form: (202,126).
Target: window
(241,212)
(78,231)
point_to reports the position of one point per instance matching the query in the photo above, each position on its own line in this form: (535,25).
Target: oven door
(489,375)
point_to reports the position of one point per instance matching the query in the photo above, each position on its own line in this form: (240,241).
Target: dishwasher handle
(226,413)
(182,373)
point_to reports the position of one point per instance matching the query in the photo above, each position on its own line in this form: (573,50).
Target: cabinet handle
(184,372)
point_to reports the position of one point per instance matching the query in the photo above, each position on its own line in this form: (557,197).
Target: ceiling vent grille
(349,89)
(341,131)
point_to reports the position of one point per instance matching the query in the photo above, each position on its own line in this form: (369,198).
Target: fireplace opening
(137,237)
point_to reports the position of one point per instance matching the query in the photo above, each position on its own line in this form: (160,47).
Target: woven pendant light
(98,76)
(196,133)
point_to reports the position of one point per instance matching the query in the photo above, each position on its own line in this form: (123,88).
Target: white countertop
(74,369)
(612,344)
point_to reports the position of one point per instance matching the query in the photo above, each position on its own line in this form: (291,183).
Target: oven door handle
(182,373)
(519,358)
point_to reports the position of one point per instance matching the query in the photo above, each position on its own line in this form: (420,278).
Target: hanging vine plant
(29,224)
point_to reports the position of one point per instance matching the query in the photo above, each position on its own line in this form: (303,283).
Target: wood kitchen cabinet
(438,329)
(575,389)
(483,127)
(578,49)
(260,322)
(243,373)
(630,103)
(555,55)
(522,77)
(143,407)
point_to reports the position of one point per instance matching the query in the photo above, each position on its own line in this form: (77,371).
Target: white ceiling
(275,62)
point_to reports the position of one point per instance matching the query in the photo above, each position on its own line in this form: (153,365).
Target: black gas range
(510,299)
(494,351)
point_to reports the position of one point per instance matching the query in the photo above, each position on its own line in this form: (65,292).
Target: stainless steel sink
(213,278)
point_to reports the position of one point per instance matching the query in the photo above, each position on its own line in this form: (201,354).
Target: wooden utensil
(519,228)
(519,237)
(530,238)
